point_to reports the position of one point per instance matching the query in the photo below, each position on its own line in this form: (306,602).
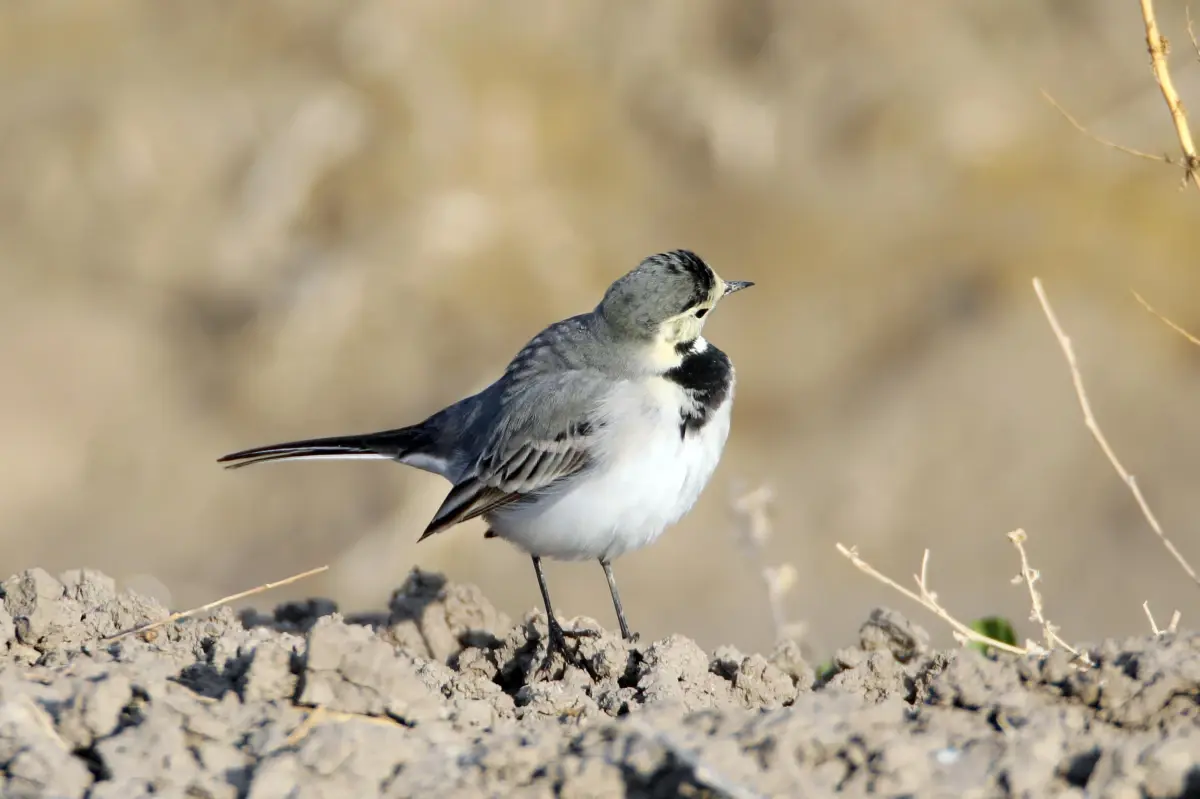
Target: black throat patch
(705,377)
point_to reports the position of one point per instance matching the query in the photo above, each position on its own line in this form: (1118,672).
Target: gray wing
(545,432)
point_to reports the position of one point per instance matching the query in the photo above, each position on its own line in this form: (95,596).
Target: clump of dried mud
(442,696)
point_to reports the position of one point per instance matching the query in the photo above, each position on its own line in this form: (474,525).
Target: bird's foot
(579,633)
(557,642)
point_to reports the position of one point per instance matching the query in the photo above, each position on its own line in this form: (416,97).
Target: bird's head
(666,299)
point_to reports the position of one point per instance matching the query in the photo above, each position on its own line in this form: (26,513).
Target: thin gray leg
(557,639)
(616,598)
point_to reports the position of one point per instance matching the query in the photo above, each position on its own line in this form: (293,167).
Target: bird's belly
(651,476)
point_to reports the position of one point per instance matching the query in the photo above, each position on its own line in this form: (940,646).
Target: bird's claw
(580,633)
(557,641)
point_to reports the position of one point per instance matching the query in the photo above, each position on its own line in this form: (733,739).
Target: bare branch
(1167,321)
(1098,434)
(1191,31)
(1163,159)
(1158,45)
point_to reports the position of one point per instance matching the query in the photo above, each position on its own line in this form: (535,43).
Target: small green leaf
(995,627)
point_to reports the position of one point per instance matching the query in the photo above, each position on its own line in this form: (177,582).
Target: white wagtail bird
(601,433)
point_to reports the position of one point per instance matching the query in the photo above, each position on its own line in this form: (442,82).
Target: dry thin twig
(1030,577)
(1172,627)
(307,725)
(1089,419)
(1158,46)
(183,614)
(1165,159)
(320,714)
(1175,619)
(1191,31)
(965,634)
(346,715)
(754,532)
(928,598)
(1166,321)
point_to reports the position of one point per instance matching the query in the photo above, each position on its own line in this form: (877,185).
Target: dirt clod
(441,695)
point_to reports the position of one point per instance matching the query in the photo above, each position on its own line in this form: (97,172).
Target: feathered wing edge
(467,501)
(530,470)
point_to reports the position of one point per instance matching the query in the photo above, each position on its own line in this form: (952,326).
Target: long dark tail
(412,445)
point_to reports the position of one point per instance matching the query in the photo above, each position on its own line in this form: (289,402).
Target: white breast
(647,476)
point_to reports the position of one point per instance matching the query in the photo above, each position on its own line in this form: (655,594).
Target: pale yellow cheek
(688,328)
(663,355)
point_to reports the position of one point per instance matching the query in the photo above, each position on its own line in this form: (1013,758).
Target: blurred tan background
(225,224)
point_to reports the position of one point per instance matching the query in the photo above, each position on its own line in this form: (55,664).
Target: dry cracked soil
(441,695)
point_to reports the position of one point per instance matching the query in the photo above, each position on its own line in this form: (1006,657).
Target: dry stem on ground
(183,614)
(1154,628)
(928,598)
(1030,577)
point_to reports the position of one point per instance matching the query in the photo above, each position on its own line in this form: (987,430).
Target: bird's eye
(700,312)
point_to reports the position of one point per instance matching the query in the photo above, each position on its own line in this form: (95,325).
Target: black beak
(736,285)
